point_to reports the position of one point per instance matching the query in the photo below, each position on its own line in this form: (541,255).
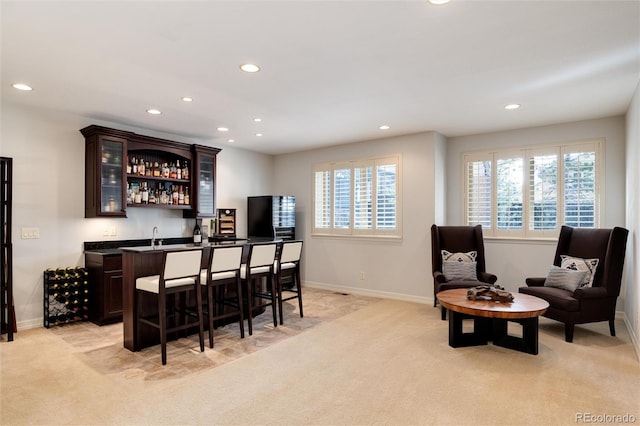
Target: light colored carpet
(378,362)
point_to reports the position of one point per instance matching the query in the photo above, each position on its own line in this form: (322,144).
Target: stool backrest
(181,264)
(225,259)
(262,255)
(291,251)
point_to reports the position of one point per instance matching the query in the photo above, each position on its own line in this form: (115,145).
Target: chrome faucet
(153,236)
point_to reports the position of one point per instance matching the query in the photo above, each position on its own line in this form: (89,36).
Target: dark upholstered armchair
(585,304)
(457,239)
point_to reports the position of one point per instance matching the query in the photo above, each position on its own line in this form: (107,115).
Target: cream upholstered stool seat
(223,268)
(180,274)
(288,264)
(259,266)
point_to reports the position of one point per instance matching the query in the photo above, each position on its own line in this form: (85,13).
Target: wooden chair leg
(568,332)
(299,287)
(250,305)
(210,310)
(162,320)
(240,307)
(272,289)
(198,290)
(279,290)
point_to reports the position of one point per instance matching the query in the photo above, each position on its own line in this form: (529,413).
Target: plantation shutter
(543,192)
(342,198)
(478,193)
(322,200)
(362,197)
(386,196)
(579,188)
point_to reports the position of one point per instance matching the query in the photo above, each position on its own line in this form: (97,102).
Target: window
(531,192)
(357,198)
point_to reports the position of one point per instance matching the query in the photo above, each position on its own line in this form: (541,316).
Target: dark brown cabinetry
(174,175)
(226,223)
(105,154)
(105,276)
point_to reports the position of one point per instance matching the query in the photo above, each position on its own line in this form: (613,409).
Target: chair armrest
(535,282)
(439,277)
(590,293)
(487,277)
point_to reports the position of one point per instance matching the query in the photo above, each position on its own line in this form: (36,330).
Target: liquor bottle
(141,167)
(186,196)
(145,193)
(174,195)
(128,167)
(185,171)
(180,195)
(165,171)
(147,169)
(173,172)
(157,171)
(178,170)
(197,235)
(134,166)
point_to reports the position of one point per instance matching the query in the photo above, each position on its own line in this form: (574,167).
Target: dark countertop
(106,248)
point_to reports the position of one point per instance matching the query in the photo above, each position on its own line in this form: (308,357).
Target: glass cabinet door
(111,178)
(206,186)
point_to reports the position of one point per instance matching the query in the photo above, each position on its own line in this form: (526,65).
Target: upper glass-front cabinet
(204,183)
(104,174)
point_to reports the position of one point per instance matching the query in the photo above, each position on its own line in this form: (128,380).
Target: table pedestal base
(493,329)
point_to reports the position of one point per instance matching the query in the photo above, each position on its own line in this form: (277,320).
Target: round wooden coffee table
(490,320)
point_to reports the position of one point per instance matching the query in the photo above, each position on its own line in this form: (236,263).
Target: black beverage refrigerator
(271,216)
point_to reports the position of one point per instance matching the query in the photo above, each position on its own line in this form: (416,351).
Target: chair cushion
(577,264)
(558,298)
(567,279)
(459,270)
(216,276)
(254,271)
(152,283)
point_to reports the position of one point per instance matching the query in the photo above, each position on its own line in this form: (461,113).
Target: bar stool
(288,264)
(180,274)
(260,261)
(223,268)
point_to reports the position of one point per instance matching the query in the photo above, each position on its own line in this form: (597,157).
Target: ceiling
(332,72)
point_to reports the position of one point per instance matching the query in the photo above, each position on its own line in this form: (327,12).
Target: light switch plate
(30,233)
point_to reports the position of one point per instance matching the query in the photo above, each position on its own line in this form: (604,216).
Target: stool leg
(249,304)
(279,290)
(162,320)
(240,307)
(210,302)
(198,291)
(272,287)
(299,287)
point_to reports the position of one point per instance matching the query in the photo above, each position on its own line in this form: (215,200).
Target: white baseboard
(634,338)
(368,292)
(32,323)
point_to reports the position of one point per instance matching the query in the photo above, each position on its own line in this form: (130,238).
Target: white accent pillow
(564,278)
(470,256)
(459,271)
(578,264)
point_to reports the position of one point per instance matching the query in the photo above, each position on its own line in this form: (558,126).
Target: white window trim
(373,233)
(526,152)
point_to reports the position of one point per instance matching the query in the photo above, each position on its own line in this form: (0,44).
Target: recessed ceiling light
(512,106)
(22,86)
(257,120)
(438,2)
(223,129)
(154,111)
(249,68)
(384,127)
(187,99)
(258,134)
(231,141)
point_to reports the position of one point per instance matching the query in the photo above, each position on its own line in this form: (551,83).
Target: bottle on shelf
(185,171)
(180,195)
(173,172)
(145,193)
(187,200)
(157,171)
(128,167)
(197,234)
(134,166)
(178,170)
(174,195)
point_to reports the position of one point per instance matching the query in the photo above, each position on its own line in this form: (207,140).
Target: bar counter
(144,261)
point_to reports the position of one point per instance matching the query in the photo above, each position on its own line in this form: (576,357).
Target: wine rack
(66,295)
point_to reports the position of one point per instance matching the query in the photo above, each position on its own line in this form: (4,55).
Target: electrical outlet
(30,233)
(110,231)
(362,275)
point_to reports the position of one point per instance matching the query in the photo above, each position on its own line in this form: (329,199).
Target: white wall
(513,261)
(632,276)
(392,269)
(48,158)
